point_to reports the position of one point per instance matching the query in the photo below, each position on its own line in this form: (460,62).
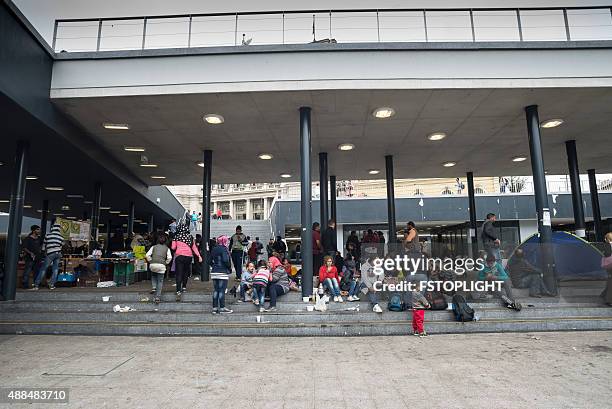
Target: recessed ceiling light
(116,126)
(114,211)
(71,217)
(65,207)
(31,177)
(214,119)
(148,165)
(88,202)
(551,123)
(58,214)
(4,201)
(200,164)
(285,175)
(1,163)
(26,206)
(54,188)
(519,159)
(123,215)
(75,196)
(436,136)
(346,146)
(449,164)
(373,171)
(105,208)
(158,177)
(265,156)
(134,148)
(383,112)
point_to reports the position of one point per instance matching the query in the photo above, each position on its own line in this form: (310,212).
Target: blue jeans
(157,282)
(356,287)
(332,286)
(52,260)
(219,293)
(259,293)
(237,261)
(30,265)
(243,289)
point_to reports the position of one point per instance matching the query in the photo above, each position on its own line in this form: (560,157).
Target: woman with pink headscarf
(279,282)
(220,262)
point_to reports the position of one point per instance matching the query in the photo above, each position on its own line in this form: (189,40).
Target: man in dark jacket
(524,275)
(31,246)
(489,235)
(329,239)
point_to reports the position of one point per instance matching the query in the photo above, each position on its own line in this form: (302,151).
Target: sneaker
(184,290)
(35,288)
(377,309)
(415,333)
(271,309)
(335,298)
(240,300)
(51,287)
(156,300)
(153,291)
(225,311)
(262,309)
(517,306)
(340,299)
(178,296)
(256,301)
(215,311)
(423,334)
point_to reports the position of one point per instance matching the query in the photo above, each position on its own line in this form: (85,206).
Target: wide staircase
(82,311)
(251,228)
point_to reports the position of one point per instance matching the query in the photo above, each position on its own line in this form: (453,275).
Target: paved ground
(543,370)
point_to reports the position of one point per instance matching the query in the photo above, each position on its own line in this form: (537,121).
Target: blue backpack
(396,303)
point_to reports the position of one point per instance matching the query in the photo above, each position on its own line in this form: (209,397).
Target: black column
(323,188)
(109,229)
(44,216)
(95,212)
(206,192)
(332,198)
(541,197)
(151,224)
(11,257)
(306,204)
(574,175)
(130,223)
(472,205)
(392,225)
(599,234)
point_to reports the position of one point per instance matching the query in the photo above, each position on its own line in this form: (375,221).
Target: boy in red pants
(419,304)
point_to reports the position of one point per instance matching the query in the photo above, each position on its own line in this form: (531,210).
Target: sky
(42,13)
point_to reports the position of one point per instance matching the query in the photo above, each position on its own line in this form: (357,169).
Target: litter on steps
(118,308)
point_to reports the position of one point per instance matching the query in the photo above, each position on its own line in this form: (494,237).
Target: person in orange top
(328,276)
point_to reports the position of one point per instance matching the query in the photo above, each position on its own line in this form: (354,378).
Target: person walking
(52,246)
(236,244)
(158,256)
(329,239)
(184,247)
(220,272)
(32,249)
(490,239)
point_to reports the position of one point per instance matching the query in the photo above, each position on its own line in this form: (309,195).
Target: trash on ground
(144,299)
(106,298)
(118,308)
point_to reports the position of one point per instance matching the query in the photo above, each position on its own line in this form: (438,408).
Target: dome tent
(575,258)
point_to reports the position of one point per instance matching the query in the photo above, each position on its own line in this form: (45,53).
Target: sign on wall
(73,230)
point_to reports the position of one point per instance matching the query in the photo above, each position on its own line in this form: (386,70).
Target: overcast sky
(43,13)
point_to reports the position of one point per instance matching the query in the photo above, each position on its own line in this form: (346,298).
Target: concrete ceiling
(486,129)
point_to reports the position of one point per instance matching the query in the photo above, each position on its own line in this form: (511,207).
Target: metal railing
(333,26)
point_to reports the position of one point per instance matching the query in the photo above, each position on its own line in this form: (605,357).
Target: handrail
(372,30)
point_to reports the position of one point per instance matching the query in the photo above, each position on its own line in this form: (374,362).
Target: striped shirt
(261,277)
(54,240)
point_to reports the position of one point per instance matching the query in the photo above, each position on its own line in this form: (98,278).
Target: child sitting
(260,281)
(419,304)
(246,280)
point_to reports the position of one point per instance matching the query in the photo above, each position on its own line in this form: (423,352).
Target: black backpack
(463,312)
(436,300)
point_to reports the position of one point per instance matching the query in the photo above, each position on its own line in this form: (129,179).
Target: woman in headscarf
(279,283)
(184,248)
(220,261)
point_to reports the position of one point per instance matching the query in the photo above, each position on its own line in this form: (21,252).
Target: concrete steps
(83,312)
(251,228)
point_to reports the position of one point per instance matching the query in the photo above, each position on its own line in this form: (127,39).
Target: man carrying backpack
(237,243)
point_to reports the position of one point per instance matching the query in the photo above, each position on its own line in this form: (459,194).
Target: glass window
(496,26)
(77,36)
(405,26)
(543,25)
(302,28)
(167,32)
(354,27)
(213,31)
(449,26)
(121,35)
(590,24)
(260,29)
